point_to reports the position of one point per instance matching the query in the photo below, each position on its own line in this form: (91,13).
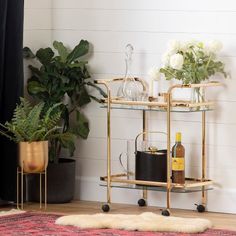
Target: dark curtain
(11,87)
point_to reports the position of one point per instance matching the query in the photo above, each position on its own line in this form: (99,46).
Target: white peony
(215,46)
(176,61)
(154,73)
(206,50)
(165,59)
(192,42)
(184,46)
(173,46)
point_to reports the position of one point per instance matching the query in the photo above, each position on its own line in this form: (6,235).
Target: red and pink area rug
(42,224)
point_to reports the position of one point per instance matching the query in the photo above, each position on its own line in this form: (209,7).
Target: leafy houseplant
(32,127)
(29,124)
(63,78)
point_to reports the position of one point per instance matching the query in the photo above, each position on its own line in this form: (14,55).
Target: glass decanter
(130,89)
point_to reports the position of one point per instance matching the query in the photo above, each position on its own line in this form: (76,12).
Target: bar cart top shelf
(176,105)
(138,107)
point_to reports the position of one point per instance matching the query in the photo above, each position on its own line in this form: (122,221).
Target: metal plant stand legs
(20,188)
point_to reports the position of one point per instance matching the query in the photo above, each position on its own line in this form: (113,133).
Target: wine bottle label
(178,163)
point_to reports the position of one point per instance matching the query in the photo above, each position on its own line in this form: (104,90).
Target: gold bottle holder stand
(20,188)
(166,104)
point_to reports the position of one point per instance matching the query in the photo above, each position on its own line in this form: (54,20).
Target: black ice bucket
(150,164)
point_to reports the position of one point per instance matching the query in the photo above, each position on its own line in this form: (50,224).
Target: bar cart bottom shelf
(157,189)
(191,185)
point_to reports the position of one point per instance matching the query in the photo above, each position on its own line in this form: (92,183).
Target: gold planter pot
(33,156)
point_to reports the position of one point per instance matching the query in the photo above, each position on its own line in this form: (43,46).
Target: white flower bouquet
(192,62)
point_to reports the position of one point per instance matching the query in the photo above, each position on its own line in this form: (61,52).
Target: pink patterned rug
(41,224)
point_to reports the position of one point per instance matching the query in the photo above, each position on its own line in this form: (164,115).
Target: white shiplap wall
(37,26)
(37,23)
(148,25)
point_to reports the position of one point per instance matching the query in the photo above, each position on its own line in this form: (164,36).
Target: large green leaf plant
(63,77)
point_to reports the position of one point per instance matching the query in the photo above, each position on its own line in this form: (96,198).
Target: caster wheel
(165,213)
(105,208)
(141,202)
(200,208)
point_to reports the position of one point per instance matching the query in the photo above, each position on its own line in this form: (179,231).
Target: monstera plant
(63,77)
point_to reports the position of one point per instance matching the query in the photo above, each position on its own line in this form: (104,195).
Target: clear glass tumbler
(127,159)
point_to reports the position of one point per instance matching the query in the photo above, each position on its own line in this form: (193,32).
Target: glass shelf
(154,188)
(159,109)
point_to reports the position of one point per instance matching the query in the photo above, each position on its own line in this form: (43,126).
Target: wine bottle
(178,163)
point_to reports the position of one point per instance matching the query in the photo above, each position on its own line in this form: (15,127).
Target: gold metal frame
(21,173)
(167,105)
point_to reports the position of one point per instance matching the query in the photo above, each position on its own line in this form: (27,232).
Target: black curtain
(11,87)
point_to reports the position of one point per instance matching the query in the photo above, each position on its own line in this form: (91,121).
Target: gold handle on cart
(143,83)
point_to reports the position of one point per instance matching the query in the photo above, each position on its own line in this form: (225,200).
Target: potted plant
(31,128)
(62,77)
(192,62)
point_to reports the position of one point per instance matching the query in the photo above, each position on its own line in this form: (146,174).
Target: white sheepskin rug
(11,212)
(147,221)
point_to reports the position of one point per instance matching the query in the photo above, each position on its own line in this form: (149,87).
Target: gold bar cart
(168,105)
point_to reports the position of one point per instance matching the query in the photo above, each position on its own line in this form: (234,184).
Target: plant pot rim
(62,161)
(42,141)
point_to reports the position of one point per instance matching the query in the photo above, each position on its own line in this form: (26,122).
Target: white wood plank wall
(148,25)
(37,23)
(37,26)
